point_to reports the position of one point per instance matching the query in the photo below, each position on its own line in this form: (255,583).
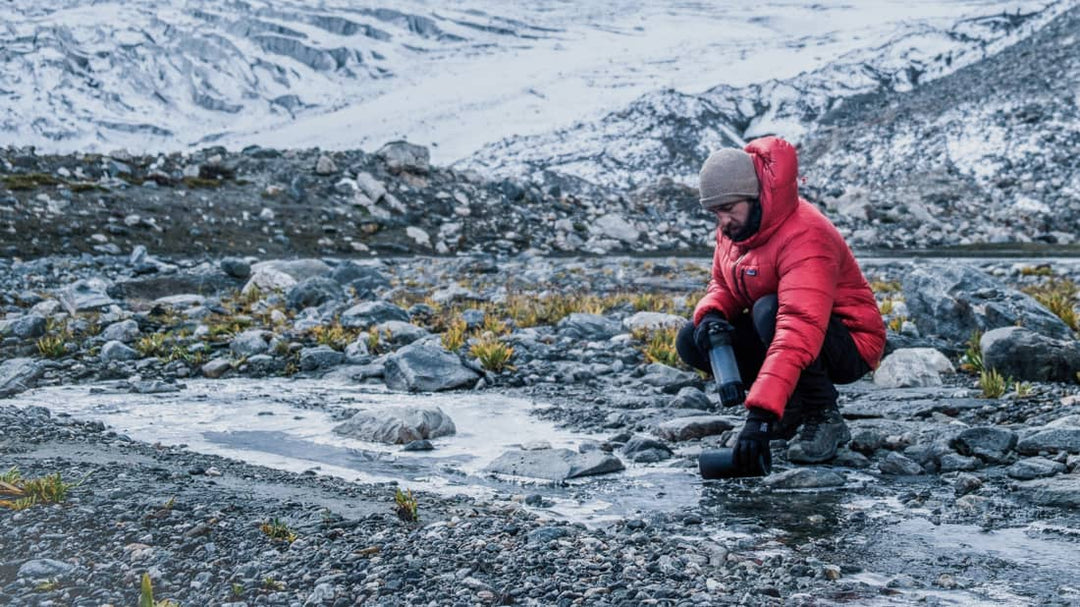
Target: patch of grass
(28,181)
(896,323)
(992,383)
(1059,297)
(49,489)
(659,346)
(47,585)
(51,346)
(886,307)
(146,595)
(405,506)
(151,345)
(1022,389)
(237,589)
(269,583)
(494,355)
(333,335)
(85,186)
(180,352)
(882,286)
(454,336)
(194,183)
(277,530)
(971,360)
(1039,270)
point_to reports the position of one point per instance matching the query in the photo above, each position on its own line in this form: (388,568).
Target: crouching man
(787,286)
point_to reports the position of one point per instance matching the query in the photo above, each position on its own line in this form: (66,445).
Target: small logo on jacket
(751,272)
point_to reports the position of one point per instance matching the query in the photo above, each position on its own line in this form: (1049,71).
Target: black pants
(839,361)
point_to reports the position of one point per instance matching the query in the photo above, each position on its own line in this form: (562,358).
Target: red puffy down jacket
(801,257)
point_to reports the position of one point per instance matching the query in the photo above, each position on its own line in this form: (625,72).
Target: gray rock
(899,465)
(398,426)
(652,321)
(43,569)
(689,428)
(805,478)
(363,315)
(952,462)
(154,386)
(669,379)
(251,342)
(965,484)
(473,318)
(1062,491)
(911,368)
(423,367)
(18,375)
(298,269)
(617,227)
(1051,440)
(26,327)
(691,398)
(850,459)
(400,333)
(216,368)
(419,445)
(1023,354)
(203,280)
(955,300)
(371,187)
(555,464)
(591,327)
(182,301)
(87,294)
(324,592)
(646,450)
(1034,467)
(320,357)
(357,353)
(404,156)
(125,331)
(236,267)
(364,279)
(867,440)
(116,350)
(543,535)
(325,165)
(986,443)
(312,292)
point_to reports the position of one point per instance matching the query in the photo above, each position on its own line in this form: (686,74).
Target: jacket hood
(777,167)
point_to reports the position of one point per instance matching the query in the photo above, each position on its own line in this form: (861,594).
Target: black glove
(701,332)
(752,454)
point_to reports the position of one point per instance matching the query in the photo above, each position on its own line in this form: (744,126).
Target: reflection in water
(798,515)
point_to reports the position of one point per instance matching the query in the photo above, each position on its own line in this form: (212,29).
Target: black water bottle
(720,463)
(729,385)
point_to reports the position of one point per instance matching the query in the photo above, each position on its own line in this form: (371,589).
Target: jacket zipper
(736,276)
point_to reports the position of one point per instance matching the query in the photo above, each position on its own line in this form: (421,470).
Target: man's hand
(701,332)
(752,450)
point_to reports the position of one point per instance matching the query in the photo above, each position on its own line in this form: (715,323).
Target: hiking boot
(821,434)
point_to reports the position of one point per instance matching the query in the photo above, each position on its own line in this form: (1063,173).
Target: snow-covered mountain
(614,90)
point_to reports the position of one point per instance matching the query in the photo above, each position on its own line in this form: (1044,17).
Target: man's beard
(748,229)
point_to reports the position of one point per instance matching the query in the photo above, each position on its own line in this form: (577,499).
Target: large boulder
(404,156)
(955,300)
(18,375)
(312,292)
(398,426)
(30,326)
(592,327)
(555,464)
(985,442)
(363,315)
(426,367)
(689,428)
(1021,353)
(912,368)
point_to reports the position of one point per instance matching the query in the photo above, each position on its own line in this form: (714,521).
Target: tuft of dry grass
(494,355)
(1058,296)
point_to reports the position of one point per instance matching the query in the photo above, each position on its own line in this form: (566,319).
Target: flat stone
(1034,467)
(421,367)
(18,375)
(555,464)
(690,428)
(593,327)
(952,462)
(986,443)
(668,379)
(368,313)
(644,450)
(398,426)
(1061,491)
(899,465)
(87,294)
(805,478)
(40,569)
(1051,440)
(251,342)
(652,321)
(216,368)
(320,357)
(115,350)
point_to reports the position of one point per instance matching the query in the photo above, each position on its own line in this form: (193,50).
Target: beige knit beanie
(727,175)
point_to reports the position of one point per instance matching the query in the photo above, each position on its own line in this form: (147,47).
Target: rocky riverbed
(957,487)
